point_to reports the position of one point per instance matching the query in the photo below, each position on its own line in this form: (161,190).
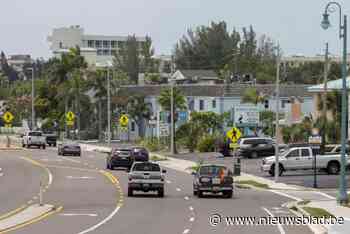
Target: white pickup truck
(302,158)
(34,138)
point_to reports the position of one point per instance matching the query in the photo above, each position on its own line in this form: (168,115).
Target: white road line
(1,174)
(91,215)
(168,182)
(187,198)
(178,189)
(71,160)
(279,226)
(186,231)
(80,177)
(286,195)
(326,195)
(191,208)
(50,177)
(102,222)
(192,219)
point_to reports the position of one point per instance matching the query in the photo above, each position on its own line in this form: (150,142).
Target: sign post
(234,135)
(70,117)
(315,143)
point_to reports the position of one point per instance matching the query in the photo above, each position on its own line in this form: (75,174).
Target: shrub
(152,144)
(207,143)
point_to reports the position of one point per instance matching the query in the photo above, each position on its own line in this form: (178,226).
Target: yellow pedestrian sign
(70,123)
(70,116)
(123,120)
(234,134)
(8,117)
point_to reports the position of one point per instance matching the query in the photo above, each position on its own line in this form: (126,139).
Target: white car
(302,158)
(34,138)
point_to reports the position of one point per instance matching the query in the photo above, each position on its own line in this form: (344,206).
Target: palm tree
(140,111)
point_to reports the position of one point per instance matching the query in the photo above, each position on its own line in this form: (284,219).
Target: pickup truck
(302,158)
(34,138)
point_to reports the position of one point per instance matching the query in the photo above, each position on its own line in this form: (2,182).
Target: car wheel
(23,145)
(254,154)
(272,170)
(200,194)
(54,145)
(228,194)
(195,192)
(333,168)
(44,146)
(130,192)
(161,192)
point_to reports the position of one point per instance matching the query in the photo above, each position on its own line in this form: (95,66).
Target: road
(93,204)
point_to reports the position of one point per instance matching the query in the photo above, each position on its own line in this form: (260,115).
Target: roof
(217,90)
(331,85)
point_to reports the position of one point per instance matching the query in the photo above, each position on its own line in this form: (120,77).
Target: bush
(207,143)
(152,144)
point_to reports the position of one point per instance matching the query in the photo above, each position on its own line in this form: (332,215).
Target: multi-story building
(298,60)
(97,49)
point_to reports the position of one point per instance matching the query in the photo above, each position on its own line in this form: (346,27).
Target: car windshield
(211,170)
(35,134)
(146,167)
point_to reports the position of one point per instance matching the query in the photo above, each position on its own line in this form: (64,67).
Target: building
(208,77)
(298,60)
(18,63)
(94,48)
(220,98)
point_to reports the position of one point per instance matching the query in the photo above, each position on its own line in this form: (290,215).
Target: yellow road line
(34,220)
(13,212)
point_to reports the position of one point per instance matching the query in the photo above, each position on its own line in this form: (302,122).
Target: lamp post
(342,196)
(277,165)
(33,110)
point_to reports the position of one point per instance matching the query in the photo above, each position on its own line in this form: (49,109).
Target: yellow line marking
(34,220)
(11,213)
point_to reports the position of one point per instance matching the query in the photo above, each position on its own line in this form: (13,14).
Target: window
(99,52)
(91,44)
(114,44)
(284,102)
(61,45)
(133,126)
(106,44)
(98,44)
(305,153)
(212,170)
(214,104)
(293,153)
(201,104)
(146,167)
(35,134)
(106,52)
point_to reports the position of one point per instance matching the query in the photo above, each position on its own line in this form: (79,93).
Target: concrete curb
(316,229)
(11,148)
(28,216)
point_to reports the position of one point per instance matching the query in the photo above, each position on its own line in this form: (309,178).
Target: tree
(251,95)
(165,99)
(189,134)
(140,111)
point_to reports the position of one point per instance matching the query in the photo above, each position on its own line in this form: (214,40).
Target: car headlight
(204,180)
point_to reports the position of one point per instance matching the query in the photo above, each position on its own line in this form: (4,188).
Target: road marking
(191,208)
(192,219)
(279,226)
(50,160)
(186,231)
(71,160)
(326,195)
(178,189)
(68,214)
(80,177)
(1,174)
(168,182)
(42,166)
(187,198)
(286,195)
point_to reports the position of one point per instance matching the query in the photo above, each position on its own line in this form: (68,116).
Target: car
(146,177)
(51,139)
(213,178)
(69,148)
(140,154)
(34,138)
(254,147)
(120,157)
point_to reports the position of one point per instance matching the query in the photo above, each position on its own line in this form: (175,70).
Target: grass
(317,212)
(157,158)
(303,203)
(253,183)
(294,208)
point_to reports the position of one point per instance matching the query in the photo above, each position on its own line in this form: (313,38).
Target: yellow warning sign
(123,120)
(8,117)
(234,134)
(70,116)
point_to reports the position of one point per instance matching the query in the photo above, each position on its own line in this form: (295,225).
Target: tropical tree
(165,99)
(251,95)
(140,112)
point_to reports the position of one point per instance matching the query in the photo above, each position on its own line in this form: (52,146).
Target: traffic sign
(123,120)
(234,145)
(70,116)
(8,125)
(8,117)
(70,123)
(234,134)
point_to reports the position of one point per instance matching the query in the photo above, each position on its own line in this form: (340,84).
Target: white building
(95,48)
(298,60)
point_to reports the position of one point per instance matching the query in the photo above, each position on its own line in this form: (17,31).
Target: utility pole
(324,100)
(172,143)
(33,96)
(277,112)
(109,107)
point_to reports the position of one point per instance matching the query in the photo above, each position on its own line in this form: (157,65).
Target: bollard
(8,142)
(41,194)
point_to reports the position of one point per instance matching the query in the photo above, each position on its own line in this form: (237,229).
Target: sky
(295,24)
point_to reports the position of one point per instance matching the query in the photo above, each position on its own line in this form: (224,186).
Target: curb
(11,148)
(53,210)
(13,212)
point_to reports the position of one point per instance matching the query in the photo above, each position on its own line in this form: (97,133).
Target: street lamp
(33,110)
(325,24)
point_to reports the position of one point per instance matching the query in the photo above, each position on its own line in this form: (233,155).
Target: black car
(51,139)
(120,158)
(254,147)
(140,154)
(212,178)
(69,148)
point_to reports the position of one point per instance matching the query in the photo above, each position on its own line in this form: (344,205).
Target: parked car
(34,138)
(51,139)
(120,157)
(146,177)
(213,178)
(333,149)
(302,158)
(140,154)
(69,148)
(254,147)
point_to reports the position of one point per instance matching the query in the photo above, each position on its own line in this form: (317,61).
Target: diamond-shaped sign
(234,134)
(70,116)
(123,120)
(8,117)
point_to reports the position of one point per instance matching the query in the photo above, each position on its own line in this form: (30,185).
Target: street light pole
(172,147)
(32,97)
(109,107)
(277,169)
(324,107)
(342,195)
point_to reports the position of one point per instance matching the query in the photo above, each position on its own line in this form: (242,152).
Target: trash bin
(237,166)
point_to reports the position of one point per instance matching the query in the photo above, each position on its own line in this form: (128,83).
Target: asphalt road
(92,204)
